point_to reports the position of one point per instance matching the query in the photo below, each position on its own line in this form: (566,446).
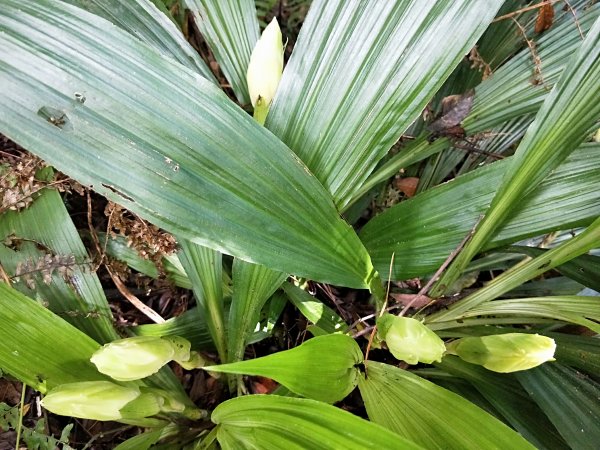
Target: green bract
(409,340)
(100,400)
(509,352)
(140,356)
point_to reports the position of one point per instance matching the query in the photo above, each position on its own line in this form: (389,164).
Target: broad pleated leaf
(230,28)
(421,232)
(569,399)
(507,397)
(561,124)
(166,144)
(580,352)
(204,268)
(272,422)
(321,315)
(361,73)
(253,285)
(27,353)
(430,415)
(44,236)
(324,368)
(149,22)
(191,325)
(507,94)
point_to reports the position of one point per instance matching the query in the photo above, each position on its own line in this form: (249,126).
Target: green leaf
(166,144)
(510,279)
(204,268)
(561,124)
(191,325)
(253,285)
(273,422)
(361,73)
(572,309)
(28,354)
(421,232)
(569,399)
(314,310)
(430,415)
(324,368)
(583,269)
(230,29)
(507,397)
(44,235)
(153,25)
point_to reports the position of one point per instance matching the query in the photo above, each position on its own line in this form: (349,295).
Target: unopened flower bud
(140,356)
(504,353)
(409,340)
(265,67)
(99,400)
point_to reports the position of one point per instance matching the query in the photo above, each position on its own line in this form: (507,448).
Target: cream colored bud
(409,340)
(138,357)
(98,400)
(266,66)
(504,353)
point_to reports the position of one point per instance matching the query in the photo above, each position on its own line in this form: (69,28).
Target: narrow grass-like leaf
(561,124)
(149,22)
(574,247)
(314,310)
(253,285)
(28,354)
(44,235)
(204,268)
(583,269)
(421,232)
(412,406)
(230,28)
(166,144)
(324,368)
(272,422)
(116,247)
(361,73)
(569,399)
(507,397)
(572,309)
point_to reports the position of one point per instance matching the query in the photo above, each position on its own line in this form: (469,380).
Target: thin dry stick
(438,272)
(537,62)
(4,275)
(522,10)
(387,293)
(136,302)
(143,308)
(572,11)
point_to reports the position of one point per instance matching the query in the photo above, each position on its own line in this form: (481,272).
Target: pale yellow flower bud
(266,66)
(140,356)
(409,340)
(100,400)
(504,353)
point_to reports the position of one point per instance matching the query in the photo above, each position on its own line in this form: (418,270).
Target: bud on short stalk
(409,340)
(141,356)
(505,353)
(264,70)
(100,400)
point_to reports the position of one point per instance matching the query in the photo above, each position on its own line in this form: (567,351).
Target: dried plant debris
(454,110)
(44,266)
(479,64)
(545,18)
(150,241)
(23,175)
